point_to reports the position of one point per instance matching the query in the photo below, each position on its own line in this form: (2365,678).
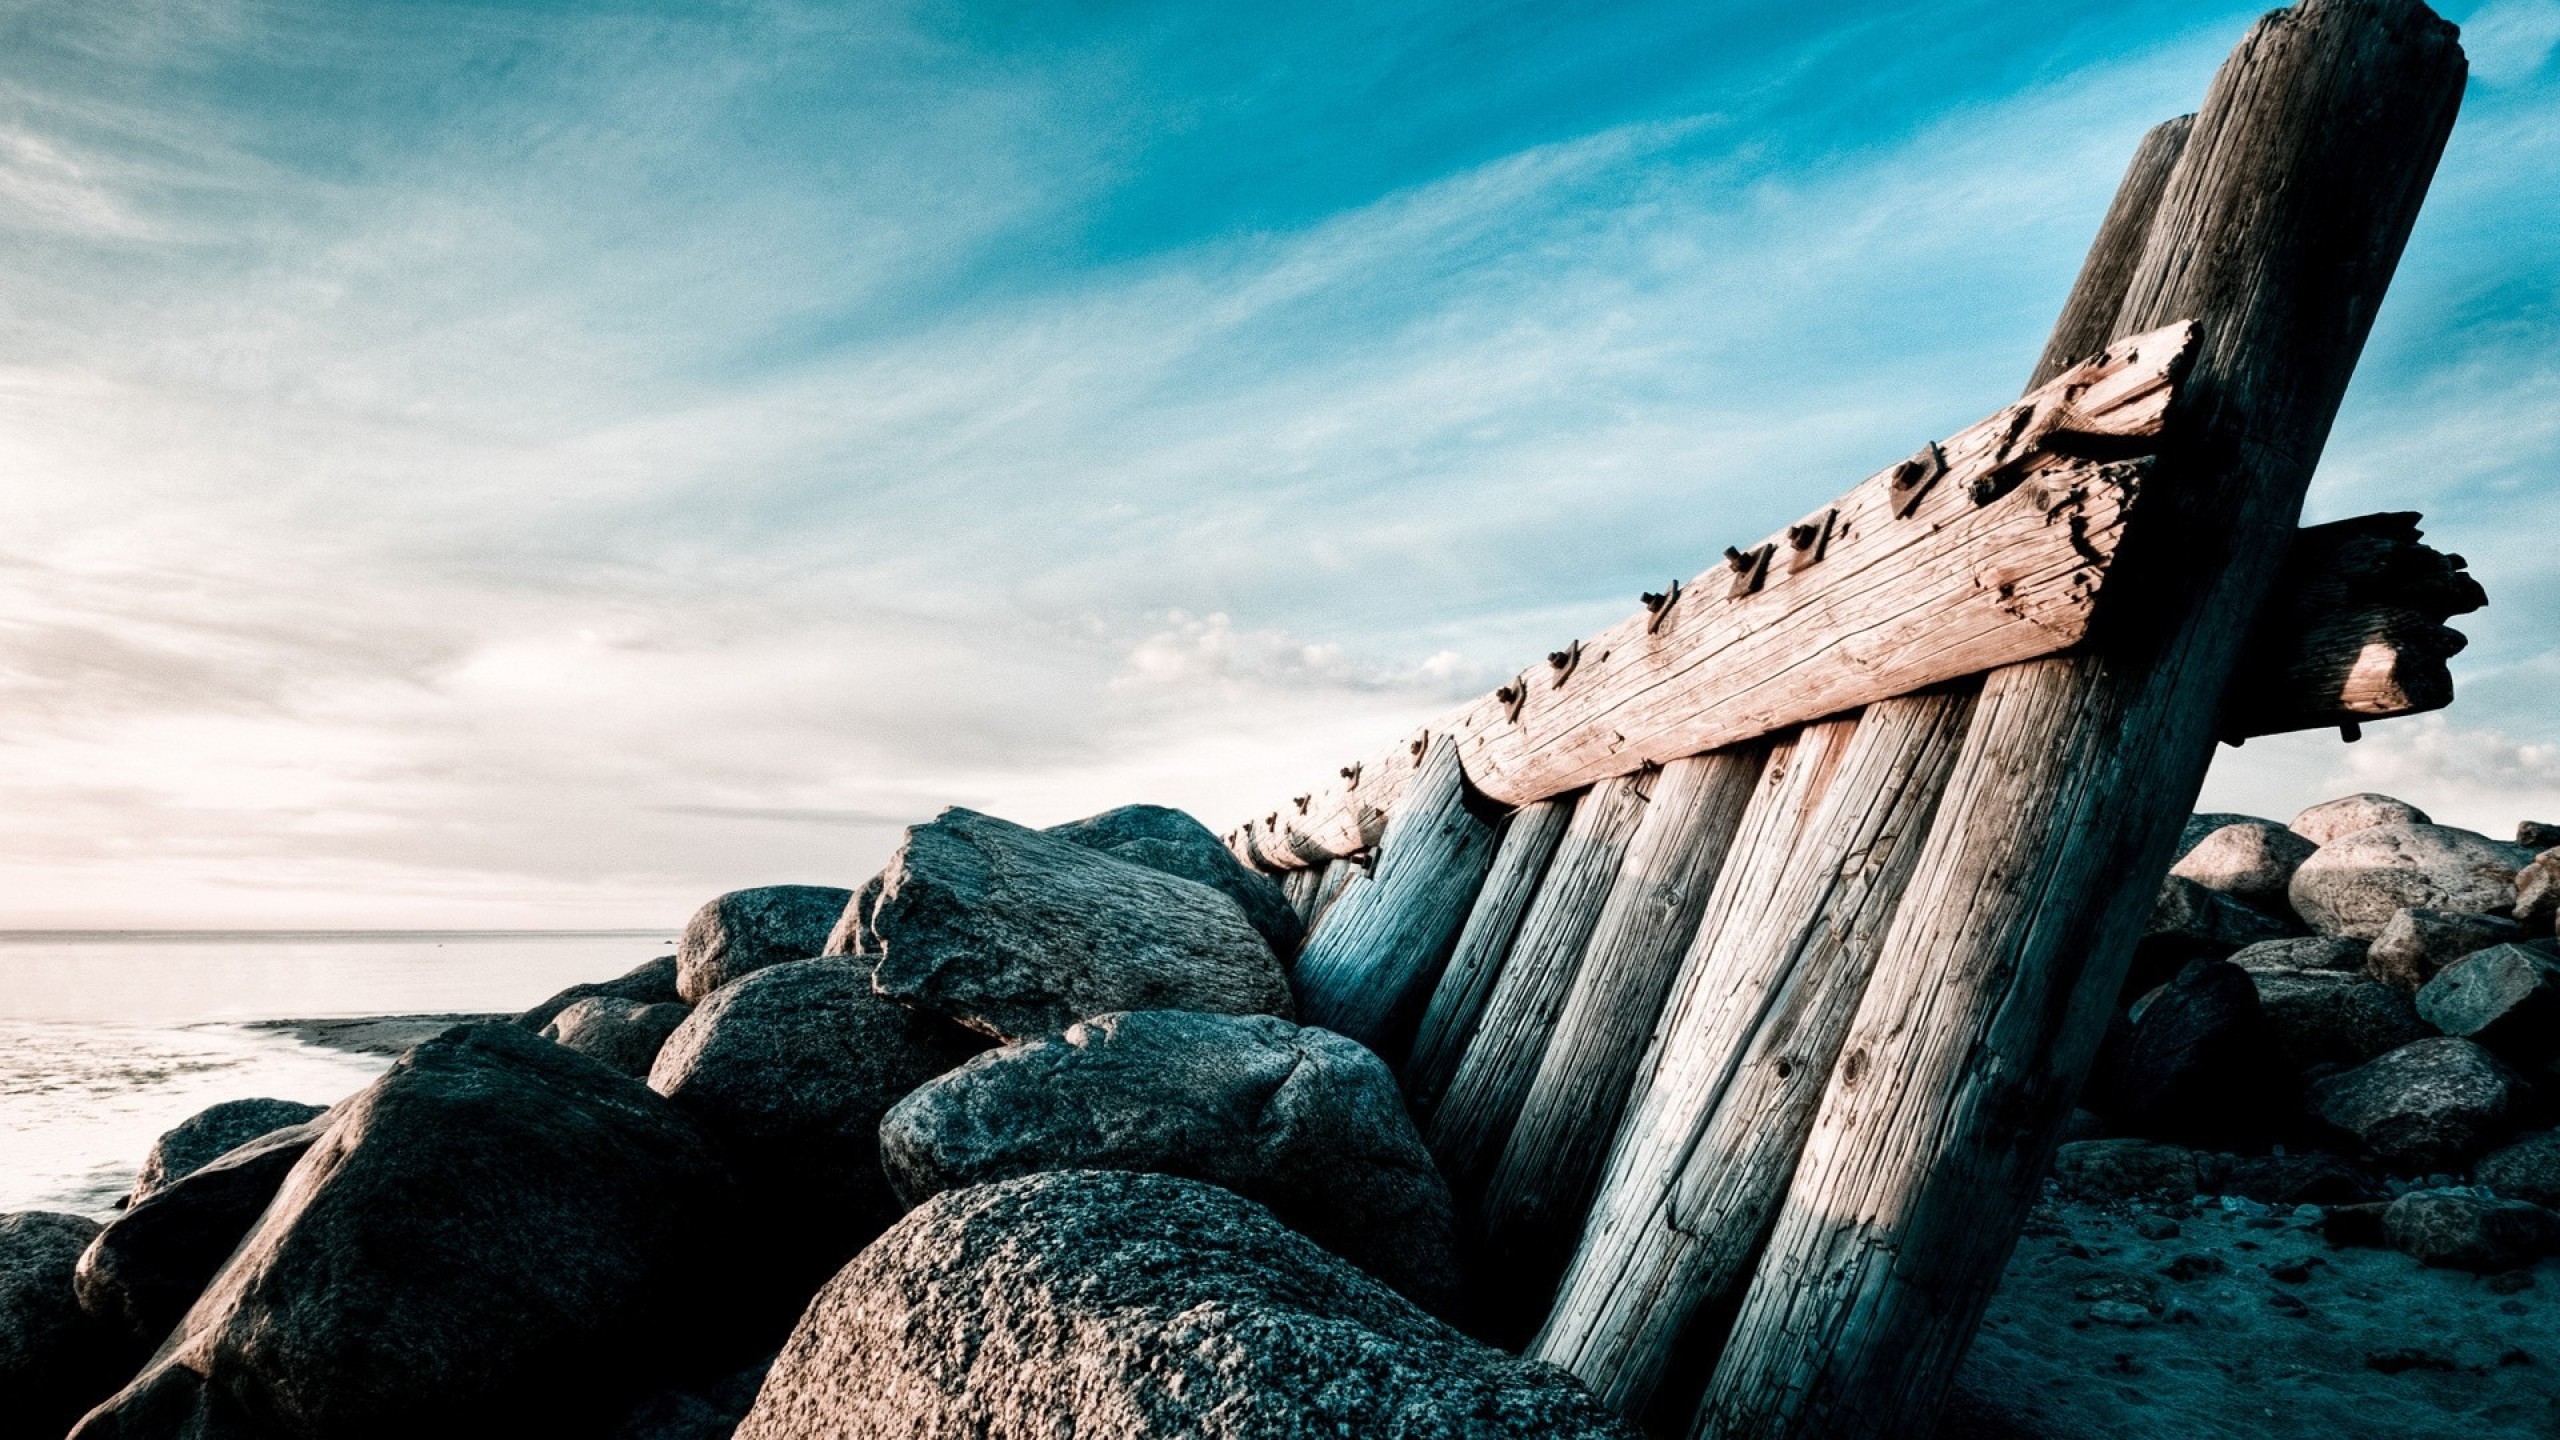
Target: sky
(543,465)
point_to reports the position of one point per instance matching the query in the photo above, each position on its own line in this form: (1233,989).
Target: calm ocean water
(107,1039)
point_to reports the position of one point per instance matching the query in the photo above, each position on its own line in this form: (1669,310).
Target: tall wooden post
(2278,229)
(1528,842)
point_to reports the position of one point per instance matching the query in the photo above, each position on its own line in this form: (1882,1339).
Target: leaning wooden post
(1765,997)
(1532,1209)
(1519,864)
(1467,1129)
(2278,230)
(1383,942)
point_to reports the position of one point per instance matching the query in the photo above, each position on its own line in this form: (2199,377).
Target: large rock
(624,1034)
(2428,1106)
(142,1272)
(2537,835)
(2355,884)
(2303,952)
(744,931)
(2507,997)
(2125,1169)
(2538,893)
(852,933)
(2416,943)
(2250,860)
(790,1070)
(2463,1231)
(2190,922)
(210,1132)
(498,1235)
(1301,1120)
(1100,1303)
(2204,823)
(55,1361)
(1015,933)
(2529,1169)
(2333,1016)
(1173,842)
(651,983)
(2194,1065)
(2331,819)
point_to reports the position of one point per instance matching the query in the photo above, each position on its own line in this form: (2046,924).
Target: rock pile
(1137,1199)
(2358,1005)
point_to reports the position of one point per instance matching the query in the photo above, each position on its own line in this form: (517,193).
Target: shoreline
(387,1035)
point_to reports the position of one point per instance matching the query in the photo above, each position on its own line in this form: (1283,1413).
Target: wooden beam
(2279,229)
(1525,1226)
(1762,1002)
(2354,631)
(1382,943)
(1529,838)
(1986,548)
(1466,1131)
(2088,319)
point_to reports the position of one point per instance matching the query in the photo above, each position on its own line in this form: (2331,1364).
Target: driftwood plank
(1987,548)
(1468,1128)
(1382,943)
(1529,838)
(1525,1227)
(1763,1000)
(2279,228)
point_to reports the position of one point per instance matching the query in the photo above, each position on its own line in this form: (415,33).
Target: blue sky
(486,464)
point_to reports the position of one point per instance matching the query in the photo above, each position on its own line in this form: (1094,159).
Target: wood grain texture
(1334,877)
(2279,228)
(1999,559)
(1383,942)
(1763,1000)
(1529,838)
(1525,1226)
(1468,1128)
(2354,630)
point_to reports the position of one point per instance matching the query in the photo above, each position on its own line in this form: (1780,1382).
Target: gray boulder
(494,1215)
(2204,823)
(2464,1231)
(2538,893)
(2194,1064)
(2536,835)
(789,1070)
(1301,1120)
(624,1034)
(2428,1106)
(852,932)
(652,983)
(2331,819)
(213,1131)
(2334,1016)
(2529,1169)
(2190,922)
(2417,943)
(2303,952)
(746,930)
(1141,1307)
(2250,861)
(2125,1169)
(2355,884)
(2507,997)
(55,1361)
(1171,841)
(1014,933)
(151,1262)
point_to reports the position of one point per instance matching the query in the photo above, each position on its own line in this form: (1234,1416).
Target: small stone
(2331,819)
(2120,1312)
(2293,1272)
(2155,1227)
(2303,952)
(2251,861)
(2355,884)
(2529,1169)
(2506,997)
(2433,1102)
(2462,1231)
(2416,943)
(2288,1304)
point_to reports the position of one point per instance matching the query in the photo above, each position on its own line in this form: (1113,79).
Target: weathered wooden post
(1528,842)
(1374,954)
(2278,230)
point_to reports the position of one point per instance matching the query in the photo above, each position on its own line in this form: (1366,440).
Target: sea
(108,1038)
